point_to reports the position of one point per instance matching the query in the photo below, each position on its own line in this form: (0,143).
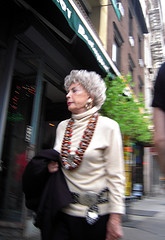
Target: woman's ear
(89,103)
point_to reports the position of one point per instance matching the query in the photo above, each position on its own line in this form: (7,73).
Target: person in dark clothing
(158,105)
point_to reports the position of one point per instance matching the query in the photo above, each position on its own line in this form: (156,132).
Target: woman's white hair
(91,81)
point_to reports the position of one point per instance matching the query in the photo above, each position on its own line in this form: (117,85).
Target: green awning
(81,27)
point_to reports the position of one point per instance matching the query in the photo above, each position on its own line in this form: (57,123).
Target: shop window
(14,150)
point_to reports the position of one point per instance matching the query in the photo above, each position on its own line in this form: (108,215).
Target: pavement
(145,219)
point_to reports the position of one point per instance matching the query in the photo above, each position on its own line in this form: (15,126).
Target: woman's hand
(114,228)
(53,167)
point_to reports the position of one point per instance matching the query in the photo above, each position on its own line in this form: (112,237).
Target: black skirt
(76,228)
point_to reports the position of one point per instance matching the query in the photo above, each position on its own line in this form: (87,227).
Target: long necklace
(70,159)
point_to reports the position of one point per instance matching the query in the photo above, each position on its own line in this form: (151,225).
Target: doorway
(14,150)
(18,126)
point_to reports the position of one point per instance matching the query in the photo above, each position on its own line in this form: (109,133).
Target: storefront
(36,53)
(133,156)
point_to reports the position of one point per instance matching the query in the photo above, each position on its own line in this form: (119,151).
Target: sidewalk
(146,220)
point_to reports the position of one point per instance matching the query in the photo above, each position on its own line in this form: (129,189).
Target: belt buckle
(89,198)
(92,214)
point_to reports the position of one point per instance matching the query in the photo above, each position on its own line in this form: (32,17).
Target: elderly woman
(91,152)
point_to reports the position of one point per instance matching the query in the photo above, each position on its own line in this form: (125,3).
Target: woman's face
(77,98)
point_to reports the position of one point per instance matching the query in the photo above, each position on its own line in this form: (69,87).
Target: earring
(88,104)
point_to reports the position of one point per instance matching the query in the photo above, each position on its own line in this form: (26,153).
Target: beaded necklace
(70,159)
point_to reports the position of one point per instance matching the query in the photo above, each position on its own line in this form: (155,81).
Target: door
(16,138)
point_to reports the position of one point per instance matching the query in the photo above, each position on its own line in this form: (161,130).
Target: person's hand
(114,228)
(52,167)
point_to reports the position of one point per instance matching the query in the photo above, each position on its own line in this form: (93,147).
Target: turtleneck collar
(85,114)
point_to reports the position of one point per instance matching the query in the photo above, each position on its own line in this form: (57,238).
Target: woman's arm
(116,183)
(114,227)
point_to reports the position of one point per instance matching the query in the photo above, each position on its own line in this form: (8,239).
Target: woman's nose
(68,95)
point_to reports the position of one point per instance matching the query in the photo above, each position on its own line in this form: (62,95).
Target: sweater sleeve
(115,170)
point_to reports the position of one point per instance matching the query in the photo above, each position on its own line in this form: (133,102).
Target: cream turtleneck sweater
(102,165)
